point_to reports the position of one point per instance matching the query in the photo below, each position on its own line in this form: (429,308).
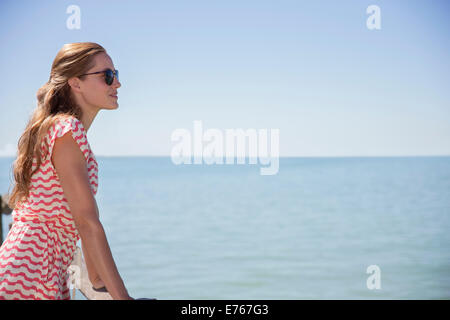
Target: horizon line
(300,156)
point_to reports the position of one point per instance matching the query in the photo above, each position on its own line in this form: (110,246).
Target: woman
(56,180)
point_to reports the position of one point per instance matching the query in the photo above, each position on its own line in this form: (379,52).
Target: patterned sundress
(39,248)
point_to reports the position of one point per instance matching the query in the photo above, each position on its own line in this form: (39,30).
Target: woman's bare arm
(94,277)
(70,165)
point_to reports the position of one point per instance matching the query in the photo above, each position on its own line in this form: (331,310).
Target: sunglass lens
(109,77)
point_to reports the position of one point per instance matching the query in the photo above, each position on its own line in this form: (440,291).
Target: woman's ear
(74,83)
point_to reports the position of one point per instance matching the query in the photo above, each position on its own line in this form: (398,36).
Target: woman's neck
(88,117)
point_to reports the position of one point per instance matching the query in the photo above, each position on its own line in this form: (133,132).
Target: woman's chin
(114,104)
(111,106)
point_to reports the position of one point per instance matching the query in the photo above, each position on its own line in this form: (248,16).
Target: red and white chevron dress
(39,248)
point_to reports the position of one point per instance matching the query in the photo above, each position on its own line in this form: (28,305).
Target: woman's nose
(116,83)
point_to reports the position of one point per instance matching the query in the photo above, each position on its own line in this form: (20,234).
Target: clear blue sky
(309,68)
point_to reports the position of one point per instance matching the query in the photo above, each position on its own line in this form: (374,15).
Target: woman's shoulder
(65,118)
(62,125)
(65,122)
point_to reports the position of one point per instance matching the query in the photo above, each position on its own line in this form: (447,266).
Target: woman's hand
(98,283)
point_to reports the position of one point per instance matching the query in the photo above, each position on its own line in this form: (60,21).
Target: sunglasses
(109,75)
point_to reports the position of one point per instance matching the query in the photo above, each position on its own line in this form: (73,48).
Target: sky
(312,69)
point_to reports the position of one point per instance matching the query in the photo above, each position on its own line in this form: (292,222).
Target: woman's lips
(114,96)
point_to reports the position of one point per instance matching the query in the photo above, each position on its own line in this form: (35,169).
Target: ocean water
(309,232)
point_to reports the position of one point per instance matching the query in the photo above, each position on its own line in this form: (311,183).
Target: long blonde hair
(54,101)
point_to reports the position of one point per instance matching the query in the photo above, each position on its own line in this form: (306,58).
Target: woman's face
(93,92)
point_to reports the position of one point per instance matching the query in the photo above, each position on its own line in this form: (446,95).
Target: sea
(321,228)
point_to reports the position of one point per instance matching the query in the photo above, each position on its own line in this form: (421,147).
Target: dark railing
(4,209)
